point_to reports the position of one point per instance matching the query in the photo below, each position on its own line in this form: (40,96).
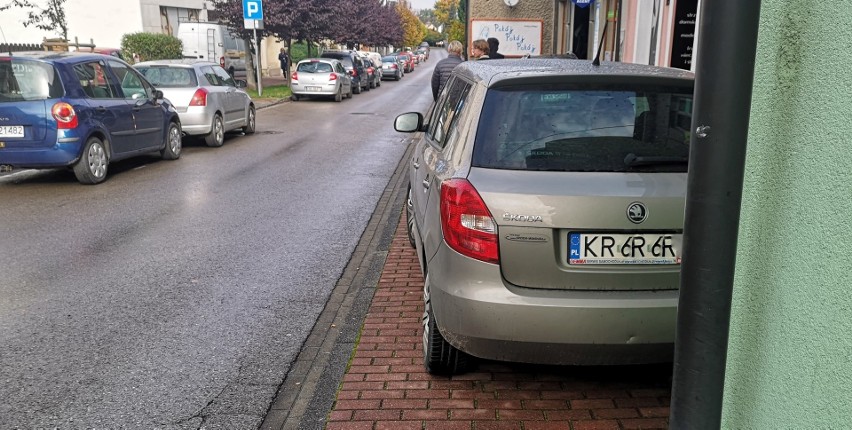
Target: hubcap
(251,119)
(174,140)
(220,135)
(97,160)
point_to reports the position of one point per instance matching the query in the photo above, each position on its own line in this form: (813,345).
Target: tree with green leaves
(48,18)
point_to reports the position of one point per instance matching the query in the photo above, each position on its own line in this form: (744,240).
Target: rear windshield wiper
(633,160)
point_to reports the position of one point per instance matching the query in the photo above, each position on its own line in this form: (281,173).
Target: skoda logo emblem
(637,212)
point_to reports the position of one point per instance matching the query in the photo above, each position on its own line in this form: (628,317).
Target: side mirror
(408,122)
(241,83)
(158,95)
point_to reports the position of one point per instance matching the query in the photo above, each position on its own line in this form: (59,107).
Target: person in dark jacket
(493,45)
(444,67)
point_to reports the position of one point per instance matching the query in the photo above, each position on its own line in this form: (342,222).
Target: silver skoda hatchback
(546,205)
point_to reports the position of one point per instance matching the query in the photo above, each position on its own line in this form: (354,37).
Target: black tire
(372,83)
(216,137)
(294,97)
(252,121)
(91,168)
(349,95)
(397,77)
(338,97)
(378,82)
(409,218)
(439,357)
(174,143)
(357,89)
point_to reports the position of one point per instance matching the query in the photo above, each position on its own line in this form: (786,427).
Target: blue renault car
(81,111)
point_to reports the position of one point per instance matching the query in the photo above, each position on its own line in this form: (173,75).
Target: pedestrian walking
(444,67)
(284,59)
(493,46)
(479,50)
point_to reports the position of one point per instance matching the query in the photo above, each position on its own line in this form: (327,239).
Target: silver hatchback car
(321,77)
(546,205)
(209,101)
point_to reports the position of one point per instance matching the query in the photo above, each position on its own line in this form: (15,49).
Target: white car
(321,77)
(208,100)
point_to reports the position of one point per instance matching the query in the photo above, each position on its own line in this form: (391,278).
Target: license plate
(11,131)
(646,248)
(313,88)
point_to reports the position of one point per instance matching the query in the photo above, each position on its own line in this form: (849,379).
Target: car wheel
(91,168)
(372,84)
(357,88)
(439,357)
(349,95)
(251,121)
(397,77)
(409,217)
(378,82)
(294,97)
(217,132)
(338,97)
(174,143)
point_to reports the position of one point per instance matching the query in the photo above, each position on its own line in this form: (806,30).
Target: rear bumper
(481,314)
(61,154)
(196,120)
(325,90)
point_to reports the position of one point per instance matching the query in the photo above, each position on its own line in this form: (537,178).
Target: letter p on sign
(252,9)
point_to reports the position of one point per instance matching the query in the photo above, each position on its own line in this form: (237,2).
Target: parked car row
(340,74)
(86,110)
(546,205)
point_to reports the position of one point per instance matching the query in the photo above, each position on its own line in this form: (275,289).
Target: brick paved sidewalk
(387,388)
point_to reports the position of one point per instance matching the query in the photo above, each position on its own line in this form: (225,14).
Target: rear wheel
(357,89)
(217,132)
(338,97)
(439,357)
(294,97)
(91,168)
(174,143)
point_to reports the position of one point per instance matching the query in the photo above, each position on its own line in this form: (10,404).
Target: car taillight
(222,62)
(199,98)
(354,72)
(64,115)
(393,66)
(294,76)
(467,223)
(332,77)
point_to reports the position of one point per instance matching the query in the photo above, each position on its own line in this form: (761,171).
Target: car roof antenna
(597,60)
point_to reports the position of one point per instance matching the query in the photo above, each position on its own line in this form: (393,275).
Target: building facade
(658,32)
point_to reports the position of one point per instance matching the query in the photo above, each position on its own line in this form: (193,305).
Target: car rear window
(169,77)
(314,67)
(24,80)
(613,129)
(389,60)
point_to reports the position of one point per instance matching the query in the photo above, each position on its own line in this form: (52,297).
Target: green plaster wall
(790,352)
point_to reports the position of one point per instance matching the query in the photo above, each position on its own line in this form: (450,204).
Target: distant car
(423,54)
(546,207)
(354,65)
(391,68)
(321,77)
(209,101)
(80,110)
(406,61)
(373,62)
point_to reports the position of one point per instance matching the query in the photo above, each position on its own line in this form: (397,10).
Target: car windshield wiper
(633,160)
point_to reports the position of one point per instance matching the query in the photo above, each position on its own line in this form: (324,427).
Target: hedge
(151,46)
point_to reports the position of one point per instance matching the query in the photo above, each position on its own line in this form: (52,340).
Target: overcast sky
(422,4)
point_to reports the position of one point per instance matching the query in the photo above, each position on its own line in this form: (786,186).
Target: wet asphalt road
(176,295)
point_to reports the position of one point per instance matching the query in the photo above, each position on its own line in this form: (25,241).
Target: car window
(93,80)
(210,75)
(169,77)
(339,68)
(224,78)
(131,83)
(22,79)
(580,129)
(449,105)
(314,67)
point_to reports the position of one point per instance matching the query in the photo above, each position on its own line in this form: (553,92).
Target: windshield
(169,77)
(24,80)
(582,130)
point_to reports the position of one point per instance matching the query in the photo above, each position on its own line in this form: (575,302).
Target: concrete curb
(309,390)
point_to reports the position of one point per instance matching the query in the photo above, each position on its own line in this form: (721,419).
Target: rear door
(587,186)
(431,161)
(109,110)
(234,108)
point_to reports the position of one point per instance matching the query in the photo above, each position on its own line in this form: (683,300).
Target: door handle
(415,164)
(101,109)
(426,183)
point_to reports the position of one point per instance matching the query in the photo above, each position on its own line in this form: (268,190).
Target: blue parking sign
(252,9)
